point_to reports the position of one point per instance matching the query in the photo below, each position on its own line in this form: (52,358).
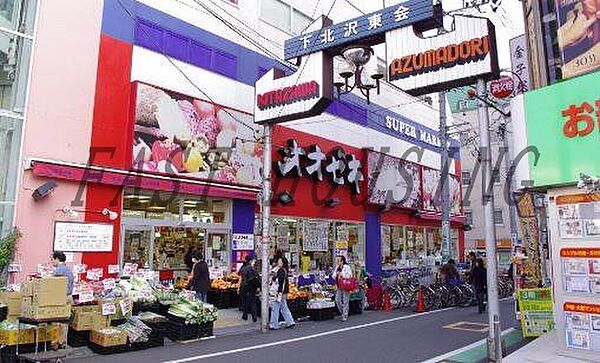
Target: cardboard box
(109,337)
(87,309)
(84,320)
(13,301)
(23,335)
(49,291)
(31,310)
(27,288)
(55,333)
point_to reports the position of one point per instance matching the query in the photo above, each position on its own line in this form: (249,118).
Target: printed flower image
(175,134)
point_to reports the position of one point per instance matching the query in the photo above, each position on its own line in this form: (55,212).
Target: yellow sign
(341,245)
(536,308)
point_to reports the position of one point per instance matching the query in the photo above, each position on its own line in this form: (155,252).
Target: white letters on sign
(424,65)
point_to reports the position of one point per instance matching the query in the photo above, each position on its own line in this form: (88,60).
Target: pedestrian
(450,273)
(342,294)
(479,281)
(280,303)
(200,281)
(472,259)
(247,290)
(61,269)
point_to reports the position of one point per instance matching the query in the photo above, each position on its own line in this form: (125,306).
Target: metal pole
(445,166)
(266,239)
(490,227)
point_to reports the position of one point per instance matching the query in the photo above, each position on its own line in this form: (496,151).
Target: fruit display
(230,281)
(296,293)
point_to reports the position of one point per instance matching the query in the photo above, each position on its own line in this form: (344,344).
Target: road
(373,336)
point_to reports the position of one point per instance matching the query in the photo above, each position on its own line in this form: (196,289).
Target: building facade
(154,151)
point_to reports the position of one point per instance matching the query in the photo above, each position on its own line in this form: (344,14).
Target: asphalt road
(373,336)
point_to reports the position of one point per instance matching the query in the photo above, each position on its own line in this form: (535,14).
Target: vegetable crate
(322,314)
(206,330)
(180,331)
(78,338)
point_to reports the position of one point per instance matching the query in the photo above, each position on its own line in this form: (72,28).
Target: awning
(135,179)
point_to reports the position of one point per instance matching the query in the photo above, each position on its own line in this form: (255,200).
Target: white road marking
(299,339)
(463,349)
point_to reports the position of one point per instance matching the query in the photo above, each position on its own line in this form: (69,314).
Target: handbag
(347,284)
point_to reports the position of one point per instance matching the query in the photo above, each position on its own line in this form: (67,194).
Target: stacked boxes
(88,317)
(45,298)
(13,301)
(108,337)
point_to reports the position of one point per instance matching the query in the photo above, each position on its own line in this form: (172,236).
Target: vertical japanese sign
(520,64)
(578,36)
(536,307)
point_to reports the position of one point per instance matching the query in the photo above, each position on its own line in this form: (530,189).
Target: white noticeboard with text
(575,242)
(242,242)
(83,237)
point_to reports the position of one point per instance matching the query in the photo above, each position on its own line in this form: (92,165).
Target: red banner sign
(580,252)
(581,308)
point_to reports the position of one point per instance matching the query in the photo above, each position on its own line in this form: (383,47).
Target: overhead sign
(367,29)
(424,65)
(306,93)
(502,88)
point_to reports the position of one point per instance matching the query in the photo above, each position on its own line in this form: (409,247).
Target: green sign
(563,122)
(536,311)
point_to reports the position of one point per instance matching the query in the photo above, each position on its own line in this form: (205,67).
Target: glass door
(137,245)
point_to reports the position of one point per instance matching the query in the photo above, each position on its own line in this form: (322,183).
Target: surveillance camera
(111,215)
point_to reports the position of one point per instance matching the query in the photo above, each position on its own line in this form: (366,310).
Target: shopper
(280,303)
(200,281)
(472,259)
(61,269)
(248,286)
(342,294)
(479,281)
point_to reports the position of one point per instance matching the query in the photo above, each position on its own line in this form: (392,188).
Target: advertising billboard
(177,134)
(578,36)
(562,123)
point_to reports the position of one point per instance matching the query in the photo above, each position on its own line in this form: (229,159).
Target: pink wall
(59,113)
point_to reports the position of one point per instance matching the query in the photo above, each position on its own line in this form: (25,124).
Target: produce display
(296,293)
(231,281)
(137,331)
(137,289)
(194,312)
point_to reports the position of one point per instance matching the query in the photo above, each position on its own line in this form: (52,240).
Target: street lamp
(357,64)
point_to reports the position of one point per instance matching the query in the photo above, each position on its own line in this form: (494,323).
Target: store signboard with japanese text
(536,309)
(368,28)
(177,134)
(421,65)
(520,64)
(578,36)
(563,123)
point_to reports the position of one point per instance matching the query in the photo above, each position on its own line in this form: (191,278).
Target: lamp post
(359,67)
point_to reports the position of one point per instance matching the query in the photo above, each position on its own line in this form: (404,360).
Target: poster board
(242,241)
(82,237)
(576,271)
(536,309)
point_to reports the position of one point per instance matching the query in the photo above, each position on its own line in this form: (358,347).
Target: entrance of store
(158,231)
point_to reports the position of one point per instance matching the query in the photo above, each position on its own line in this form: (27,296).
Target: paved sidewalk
(542,350)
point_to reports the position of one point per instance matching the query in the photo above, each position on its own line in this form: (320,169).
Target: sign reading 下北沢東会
(424,65)
(368,28)
(242,241)
(83,237)
(563,123)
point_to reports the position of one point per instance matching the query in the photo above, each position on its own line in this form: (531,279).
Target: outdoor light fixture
(285,198)
(111,215)
(332,202)
(70,212)
(357,64)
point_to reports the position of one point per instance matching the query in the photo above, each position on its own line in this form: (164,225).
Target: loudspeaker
(44,190)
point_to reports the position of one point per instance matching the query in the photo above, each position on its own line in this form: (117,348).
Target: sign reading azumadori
(421,65)
(287,95)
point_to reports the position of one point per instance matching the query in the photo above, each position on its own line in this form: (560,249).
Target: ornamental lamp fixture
(357,64)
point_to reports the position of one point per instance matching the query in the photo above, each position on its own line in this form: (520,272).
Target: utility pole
(266,239)
(485,152)
(444,179)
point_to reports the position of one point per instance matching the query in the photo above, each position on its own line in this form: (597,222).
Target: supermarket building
(153,149)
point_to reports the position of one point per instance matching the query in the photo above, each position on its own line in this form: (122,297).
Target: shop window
(393,246)
(469,217)
(466,177)
(498,217)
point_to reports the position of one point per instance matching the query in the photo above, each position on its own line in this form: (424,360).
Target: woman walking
(280,303)
(343,273)
(248,287)
(200,281)
(479,281)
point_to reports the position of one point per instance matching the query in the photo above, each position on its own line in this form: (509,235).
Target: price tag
(188,294)
(93,275)
(109,284)
(125,306)
(145,293)
(109,308)
(129,269)
(86,296)
(113,269)
(79,268)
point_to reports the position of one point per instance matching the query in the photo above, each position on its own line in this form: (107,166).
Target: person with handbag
(345,285)
(247,290)
(280,301)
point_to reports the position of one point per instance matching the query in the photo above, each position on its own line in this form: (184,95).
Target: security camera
(111,215)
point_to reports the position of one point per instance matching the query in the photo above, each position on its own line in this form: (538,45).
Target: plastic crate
(205,330)
(221,299)
(322,314)
(98,349)
(177,331)
(78,338)
(139,306)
